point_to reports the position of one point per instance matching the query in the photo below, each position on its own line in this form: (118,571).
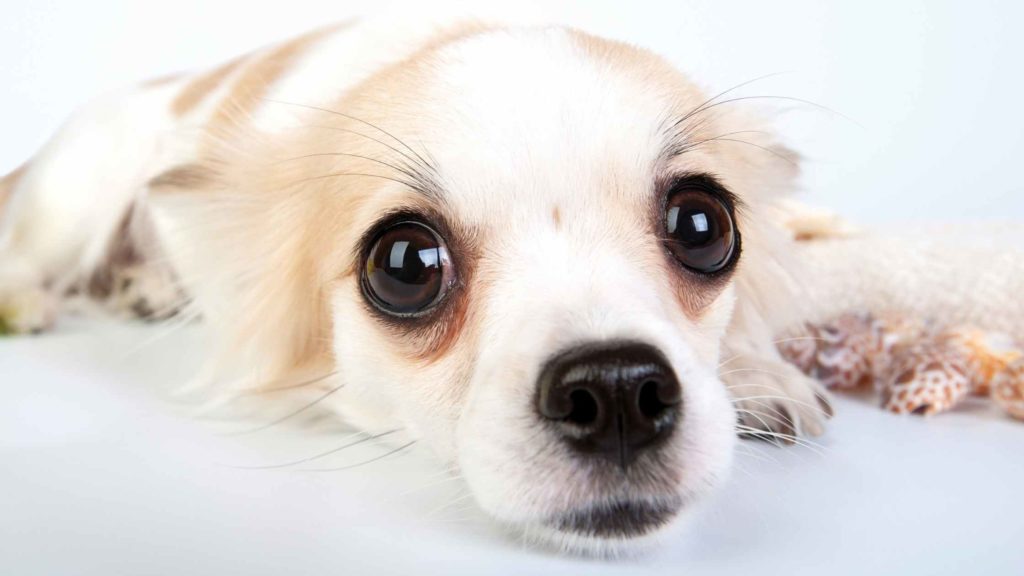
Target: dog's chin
(612,529)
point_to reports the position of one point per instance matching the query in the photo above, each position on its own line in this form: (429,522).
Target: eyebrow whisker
(404,170)
(700,107)
(411,185)
(682,149)
(784,98)
(422,161)
(415,165)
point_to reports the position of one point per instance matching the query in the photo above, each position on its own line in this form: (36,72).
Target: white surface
(99,476)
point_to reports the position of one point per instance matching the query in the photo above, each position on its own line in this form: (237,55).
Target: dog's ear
(770,169)
(786,169)
(242,242)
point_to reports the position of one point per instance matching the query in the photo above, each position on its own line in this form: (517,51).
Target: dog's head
(522,247)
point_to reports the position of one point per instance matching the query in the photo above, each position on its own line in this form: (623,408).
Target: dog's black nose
(610,399)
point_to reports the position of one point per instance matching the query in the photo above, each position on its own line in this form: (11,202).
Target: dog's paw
(141,291)
(145,291)
(775,401)
(26,310)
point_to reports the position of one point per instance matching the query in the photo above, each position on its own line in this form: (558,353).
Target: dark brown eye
(406,269)
(700,230)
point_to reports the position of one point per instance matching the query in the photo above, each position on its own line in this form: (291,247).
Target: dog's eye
(700,229)
(405,269)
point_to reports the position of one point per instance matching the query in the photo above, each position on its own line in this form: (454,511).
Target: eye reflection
(673,219)
(700,222)
(397,259)
(431,257)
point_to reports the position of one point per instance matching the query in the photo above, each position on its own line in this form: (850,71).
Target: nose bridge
(591,280)
(548,290)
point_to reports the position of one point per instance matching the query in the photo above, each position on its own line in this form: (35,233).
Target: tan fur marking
(460,324)
(263,72)
(161,80)
(390,79)
(556,217)
(183,177)
(618,53)
(198,89)
(443,340)
(638,62)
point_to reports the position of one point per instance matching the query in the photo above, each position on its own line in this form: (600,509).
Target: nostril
(584,407)
(648,402)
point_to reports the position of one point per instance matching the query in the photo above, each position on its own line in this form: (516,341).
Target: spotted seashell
(925,379)
(987,354)
(847,351)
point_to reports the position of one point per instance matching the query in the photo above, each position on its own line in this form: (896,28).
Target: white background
(97,477)
(927,95)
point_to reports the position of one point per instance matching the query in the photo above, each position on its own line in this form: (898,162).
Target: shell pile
(915,366)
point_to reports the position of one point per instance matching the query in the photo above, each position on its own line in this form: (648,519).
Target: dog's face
(538,244)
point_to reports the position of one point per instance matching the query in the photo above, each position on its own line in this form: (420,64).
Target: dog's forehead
(549,117)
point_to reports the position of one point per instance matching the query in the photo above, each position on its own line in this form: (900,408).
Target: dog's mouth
(617,520)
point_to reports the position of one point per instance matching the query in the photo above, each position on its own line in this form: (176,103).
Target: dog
(529,249)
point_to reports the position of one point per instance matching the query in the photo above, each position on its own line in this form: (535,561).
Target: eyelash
(707,183)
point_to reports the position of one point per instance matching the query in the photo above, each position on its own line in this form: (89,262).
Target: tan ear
(788,162)
(243,248)
(775,165)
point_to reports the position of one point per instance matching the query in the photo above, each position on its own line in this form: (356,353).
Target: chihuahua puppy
(529,249)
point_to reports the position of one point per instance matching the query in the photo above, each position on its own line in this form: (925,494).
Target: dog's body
(542,158)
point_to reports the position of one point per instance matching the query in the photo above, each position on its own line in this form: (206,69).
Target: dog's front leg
(773,399)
